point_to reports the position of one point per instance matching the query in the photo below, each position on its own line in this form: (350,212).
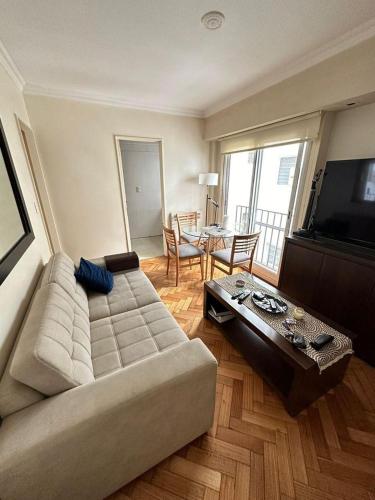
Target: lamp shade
(210,179)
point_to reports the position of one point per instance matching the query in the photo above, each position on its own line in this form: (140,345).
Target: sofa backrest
(60,269)
(14,395)
(54,353)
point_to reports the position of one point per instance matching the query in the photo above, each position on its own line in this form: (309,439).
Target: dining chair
(181,252)
(241,254)
(187,219)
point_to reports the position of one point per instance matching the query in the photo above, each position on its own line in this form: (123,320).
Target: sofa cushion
(54,352)
(129,337)
(60,269)
(130,291)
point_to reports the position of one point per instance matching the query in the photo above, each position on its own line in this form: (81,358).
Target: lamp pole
(207,198)
(209,179)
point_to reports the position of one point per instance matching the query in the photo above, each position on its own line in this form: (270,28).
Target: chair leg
(212,266)
(190,264)
(177,270)
(250,267)
(168,264)
(202,268)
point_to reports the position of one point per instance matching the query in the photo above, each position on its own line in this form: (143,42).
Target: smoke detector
(213,20)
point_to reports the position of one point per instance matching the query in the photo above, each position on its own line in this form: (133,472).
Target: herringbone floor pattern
(254,449)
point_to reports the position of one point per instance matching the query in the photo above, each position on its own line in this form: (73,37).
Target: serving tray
(265,304)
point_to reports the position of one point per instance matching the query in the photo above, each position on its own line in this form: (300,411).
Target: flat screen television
(346,205)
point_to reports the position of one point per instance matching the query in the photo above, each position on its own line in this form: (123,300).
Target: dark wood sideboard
(336,282)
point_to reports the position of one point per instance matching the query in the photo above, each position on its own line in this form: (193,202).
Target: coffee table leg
(205,303)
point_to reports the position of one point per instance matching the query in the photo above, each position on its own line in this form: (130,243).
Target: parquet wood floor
(254,449)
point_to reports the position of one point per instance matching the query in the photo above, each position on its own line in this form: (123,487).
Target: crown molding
(349,39)
(346,41)
(8,64)
(89,97)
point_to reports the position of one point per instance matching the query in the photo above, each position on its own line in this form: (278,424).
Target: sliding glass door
(259,192)
(238,180)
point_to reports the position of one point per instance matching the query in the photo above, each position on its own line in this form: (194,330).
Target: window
(254,201)
(286,164)
(273,256)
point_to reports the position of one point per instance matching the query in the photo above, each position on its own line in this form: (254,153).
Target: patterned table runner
(309,326)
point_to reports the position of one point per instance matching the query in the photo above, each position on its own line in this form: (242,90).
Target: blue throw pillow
(94,277)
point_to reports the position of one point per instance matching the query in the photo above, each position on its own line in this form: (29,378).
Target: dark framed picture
(16,233)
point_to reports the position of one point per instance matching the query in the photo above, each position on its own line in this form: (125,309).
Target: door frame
(293,207)
(34,164)
(160,140)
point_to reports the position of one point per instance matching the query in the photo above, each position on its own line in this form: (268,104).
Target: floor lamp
(210,179)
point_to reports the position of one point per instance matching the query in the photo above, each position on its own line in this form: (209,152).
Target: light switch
(138,189)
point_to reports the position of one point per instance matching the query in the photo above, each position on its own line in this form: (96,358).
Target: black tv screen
(346,205)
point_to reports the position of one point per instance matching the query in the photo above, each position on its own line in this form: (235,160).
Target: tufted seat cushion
(53,353)
(60,269)
(225,254)
(126,338)
(130,291)
(187,250)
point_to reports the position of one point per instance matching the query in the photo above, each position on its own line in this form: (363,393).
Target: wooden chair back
(170,239)
(184,219)
(244,243)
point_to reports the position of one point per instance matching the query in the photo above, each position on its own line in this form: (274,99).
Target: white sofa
(98,388)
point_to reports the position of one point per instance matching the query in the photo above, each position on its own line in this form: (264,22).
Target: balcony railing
(272,229)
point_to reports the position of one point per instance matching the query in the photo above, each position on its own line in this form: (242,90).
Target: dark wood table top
(264,330)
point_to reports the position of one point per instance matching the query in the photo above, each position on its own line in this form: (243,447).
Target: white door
(142,180)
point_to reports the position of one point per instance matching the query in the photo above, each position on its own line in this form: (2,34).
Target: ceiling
(155,54)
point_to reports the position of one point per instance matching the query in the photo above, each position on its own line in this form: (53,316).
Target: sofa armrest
(90,440)
(121,262)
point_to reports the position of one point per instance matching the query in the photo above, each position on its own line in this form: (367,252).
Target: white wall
(353,134)
(16,290)
(141,165)
(76,143)
(349,74)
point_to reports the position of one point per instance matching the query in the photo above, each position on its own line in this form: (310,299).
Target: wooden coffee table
(293,375)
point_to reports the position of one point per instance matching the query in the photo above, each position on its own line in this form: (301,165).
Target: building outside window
(286,164)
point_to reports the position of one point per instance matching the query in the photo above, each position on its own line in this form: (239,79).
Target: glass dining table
(215,237)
